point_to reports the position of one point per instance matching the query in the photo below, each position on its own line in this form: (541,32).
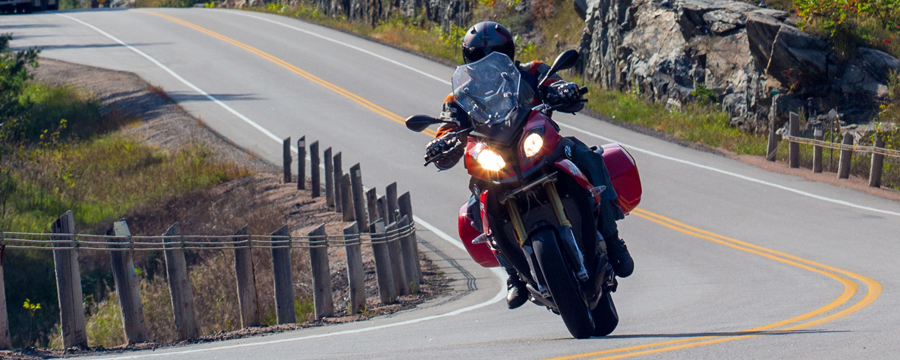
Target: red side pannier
(625,180)
(624,175)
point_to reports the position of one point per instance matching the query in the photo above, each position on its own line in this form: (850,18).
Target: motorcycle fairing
(481,253)
(537,123)
(570,168)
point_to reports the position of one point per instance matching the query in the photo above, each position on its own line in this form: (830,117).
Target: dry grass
(159,91)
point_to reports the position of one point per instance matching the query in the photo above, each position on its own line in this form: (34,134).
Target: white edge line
(500,275)
(630,147)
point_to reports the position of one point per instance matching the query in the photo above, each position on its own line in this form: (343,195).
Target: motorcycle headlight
(532,144)
(490,160)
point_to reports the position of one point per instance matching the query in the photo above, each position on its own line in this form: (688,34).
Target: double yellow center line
(847,279)
(315,79)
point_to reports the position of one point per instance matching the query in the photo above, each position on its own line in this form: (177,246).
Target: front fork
(573,254)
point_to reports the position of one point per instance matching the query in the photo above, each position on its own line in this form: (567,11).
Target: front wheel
(606,318)
(574,309)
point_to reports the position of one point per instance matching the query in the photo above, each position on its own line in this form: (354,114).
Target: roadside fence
(383,223)
(847,149)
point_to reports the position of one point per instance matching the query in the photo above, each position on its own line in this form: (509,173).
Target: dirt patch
(854,182)
(261,201)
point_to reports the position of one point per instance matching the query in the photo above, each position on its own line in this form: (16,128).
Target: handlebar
(451,134)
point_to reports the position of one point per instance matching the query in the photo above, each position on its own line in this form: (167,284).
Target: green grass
(63,155)
(700,123)
(102,178)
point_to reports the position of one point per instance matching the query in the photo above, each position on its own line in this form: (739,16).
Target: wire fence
(54,241)
(840,146)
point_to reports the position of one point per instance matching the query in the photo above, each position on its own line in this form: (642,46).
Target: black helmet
(486,37)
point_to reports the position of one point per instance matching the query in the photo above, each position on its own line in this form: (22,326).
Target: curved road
(732,261)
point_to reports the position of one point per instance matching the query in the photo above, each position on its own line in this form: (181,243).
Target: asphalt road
(732,261)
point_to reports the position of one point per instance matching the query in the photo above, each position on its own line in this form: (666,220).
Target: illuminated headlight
(490,160)
(533,144)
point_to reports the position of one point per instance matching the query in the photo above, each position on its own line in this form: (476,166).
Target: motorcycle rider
(480,40)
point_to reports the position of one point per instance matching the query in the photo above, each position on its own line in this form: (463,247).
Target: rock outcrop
(665,49)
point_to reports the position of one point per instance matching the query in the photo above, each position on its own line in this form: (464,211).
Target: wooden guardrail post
(410,258)
(301,163)
(321,277)
(355,271)
(371,199)
(393,209)
(68,283)
(338,175)
(5,342)
(127,283)
(246,281)
(382,263)
(315,180)
(877,163)
(358,201)
(179,287)
(844,164)
(818,134)
(773,138)
(329,179)
(794,147)
(288,160)
(281,272)
(381,208)
(347,199)
(405,203)
(401,286)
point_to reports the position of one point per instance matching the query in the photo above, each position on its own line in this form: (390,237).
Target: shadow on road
(85,46)
(192,96)
(721,334)
(27,26)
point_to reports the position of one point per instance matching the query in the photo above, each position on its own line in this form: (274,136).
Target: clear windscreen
(488,89)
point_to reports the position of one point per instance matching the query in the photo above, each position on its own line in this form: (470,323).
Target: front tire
(574,309)
(606,318)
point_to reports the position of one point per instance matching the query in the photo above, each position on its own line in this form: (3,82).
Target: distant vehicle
(26,6)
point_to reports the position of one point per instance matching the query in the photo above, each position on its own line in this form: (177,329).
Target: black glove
(445,152)
(565,93)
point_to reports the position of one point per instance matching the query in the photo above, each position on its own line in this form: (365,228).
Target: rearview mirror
(567,60)
(418,123)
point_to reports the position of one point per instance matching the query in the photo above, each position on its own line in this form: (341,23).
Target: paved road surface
(724,251)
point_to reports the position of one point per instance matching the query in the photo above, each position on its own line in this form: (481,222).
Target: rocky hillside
(667,49)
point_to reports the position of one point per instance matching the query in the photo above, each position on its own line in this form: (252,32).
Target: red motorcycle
(536,205)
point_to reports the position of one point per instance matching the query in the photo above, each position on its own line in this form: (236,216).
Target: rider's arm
(458,119)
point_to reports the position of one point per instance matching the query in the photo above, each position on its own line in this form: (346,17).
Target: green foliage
(853,23)
(697,122)
(704,96)
(72,4)
(101,179)
(303,308)
(104,324)
(167,3)
(831,15)
(14,76)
